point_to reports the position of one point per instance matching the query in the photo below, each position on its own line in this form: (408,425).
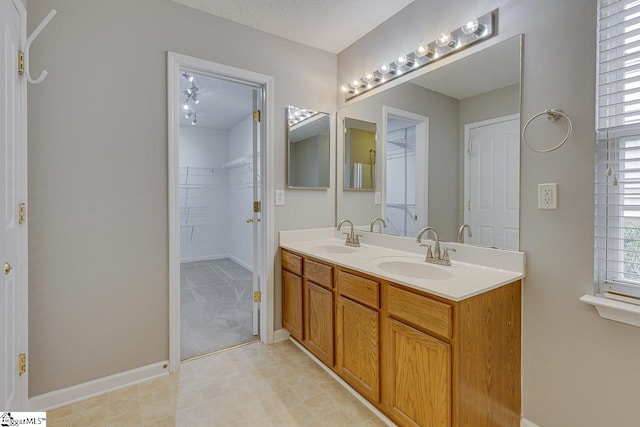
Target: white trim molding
(526,423)
(280,335)
(76,393)
(617,311)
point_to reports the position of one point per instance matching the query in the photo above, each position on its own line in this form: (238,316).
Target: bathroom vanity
(426,345)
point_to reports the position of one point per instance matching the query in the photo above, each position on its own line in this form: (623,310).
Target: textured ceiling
(330,25)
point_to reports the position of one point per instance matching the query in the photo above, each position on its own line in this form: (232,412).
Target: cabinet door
(292,304)
(419,376)
(357,340)
(318,321)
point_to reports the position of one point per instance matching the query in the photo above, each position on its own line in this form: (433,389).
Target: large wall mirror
(308,148)
(448,151)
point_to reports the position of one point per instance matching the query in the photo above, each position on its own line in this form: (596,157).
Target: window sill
(614,310)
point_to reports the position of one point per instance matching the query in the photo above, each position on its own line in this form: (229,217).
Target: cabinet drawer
(318,273)
(421,311)
(359,289)
(292,262)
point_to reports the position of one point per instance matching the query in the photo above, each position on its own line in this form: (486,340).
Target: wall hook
(27,46)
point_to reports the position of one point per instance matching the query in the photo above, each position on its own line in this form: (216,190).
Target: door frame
(175,62)
(468,127)
(422,134)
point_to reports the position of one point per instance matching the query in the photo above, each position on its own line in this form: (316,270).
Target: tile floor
(253,385)
(216,303)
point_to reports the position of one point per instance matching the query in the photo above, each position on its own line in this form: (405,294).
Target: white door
(12,192)
(257,213)
(492,182)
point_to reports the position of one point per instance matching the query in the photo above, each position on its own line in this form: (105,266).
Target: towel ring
(553,116)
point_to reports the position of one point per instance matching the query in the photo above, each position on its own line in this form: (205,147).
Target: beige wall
(98,250)
(578,369)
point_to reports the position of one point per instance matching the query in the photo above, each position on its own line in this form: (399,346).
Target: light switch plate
(279,197)
(548,196)
(378,198)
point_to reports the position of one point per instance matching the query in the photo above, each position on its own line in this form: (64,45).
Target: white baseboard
(526,423)
(69,395)
(280,335)
(203,258)
(335,376)
(242,263)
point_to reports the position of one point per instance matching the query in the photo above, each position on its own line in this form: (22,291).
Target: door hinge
(22,213)
(257,296)
(257,116)
(22,364)
(257,207)
(20,62)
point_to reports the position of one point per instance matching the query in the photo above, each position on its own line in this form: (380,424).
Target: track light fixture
(191,94)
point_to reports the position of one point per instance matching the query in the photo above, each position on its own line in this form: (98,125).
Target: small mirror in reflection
(359,155)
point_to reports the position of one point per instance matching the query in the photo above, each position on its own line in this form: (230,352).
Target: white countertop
(457,282)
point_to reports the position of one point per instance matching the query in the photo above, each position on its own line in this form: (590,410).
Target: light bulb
(471,25)
(368,77)
(190,78)
(344,89)
(185,105)
(186,116)
(188,92)
(384,69)
(402,60)
(196,100)
(444,39)
(194,121)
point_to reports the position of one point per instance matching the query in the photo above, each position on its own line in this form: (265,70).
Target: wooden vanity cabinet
(421,359)
(292,294)
(308,304)
(318,310)
(358,333)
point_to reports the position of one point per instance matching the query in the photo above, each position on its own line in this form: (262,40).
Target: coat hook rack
(27,46)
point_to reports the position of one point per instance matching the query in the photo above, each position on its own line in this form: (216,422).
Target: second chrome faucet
(352,238)
(435,257)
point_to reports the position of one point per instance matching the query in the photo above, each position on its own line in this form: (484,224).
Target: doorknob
(7,268)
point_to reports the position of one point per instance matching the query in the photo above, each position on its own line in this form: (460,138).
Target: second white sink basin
(413,268)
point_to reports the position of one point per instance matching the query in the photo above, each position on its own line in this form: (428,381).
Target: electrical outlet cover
(548,196)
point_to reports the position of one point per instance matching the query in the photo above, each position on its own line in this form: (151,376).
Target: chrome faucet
(434,257)
(352,238)
(384,224)
(461,232)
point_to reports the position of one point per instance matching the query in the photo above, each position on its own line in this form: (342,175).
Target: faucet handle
(348,237)
(445,255)
(356,239)
(429,251)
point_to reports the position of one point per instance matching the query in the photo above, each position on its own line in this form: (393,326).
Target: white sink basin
(334,249)
(414,268)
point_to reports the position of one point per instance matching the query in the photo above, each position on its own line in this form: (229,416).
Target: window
(617,186)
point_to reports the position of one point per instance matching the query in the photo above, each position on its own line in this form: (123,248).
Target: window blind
(617,185)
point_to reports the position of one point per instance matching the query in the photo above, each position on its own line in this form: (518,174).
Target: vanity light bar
(297,115)
(471,32)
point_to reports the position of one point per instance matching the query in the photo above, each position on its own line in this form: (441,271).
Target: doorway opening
(218,232)
(406,148)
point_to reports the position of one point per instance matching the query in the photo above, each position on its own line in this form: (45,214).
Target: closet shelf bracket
(27,46)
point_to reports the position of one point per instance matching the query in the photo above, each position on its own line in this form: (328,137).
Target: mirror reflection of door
(406,165)
(492,188)
(359,155)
